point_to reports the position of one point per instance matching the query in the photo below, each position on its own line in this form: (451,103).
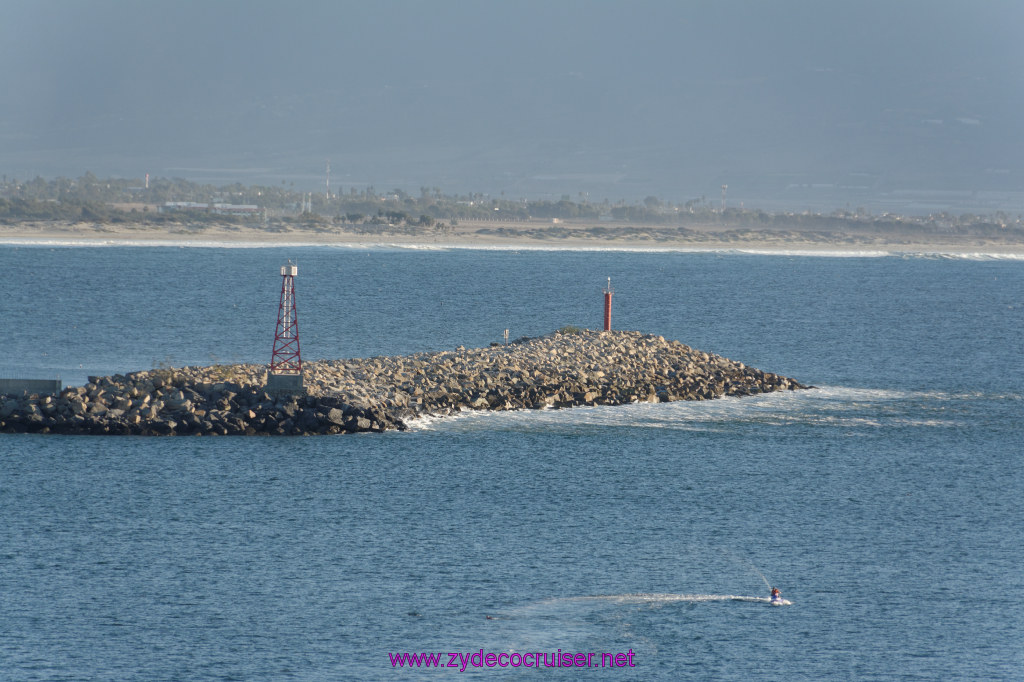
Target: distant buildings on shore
(216,209)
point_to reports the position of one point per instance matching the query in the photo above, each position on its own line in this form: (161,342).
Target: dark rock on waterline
(563,369)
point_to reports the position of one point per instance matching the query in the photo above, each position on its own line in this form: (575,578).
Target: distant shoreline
(481,234)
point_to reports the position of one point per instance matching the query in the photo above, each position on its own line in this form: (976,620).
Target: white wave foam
(973,256)
(561,605)
(891,253)
(870,395)
(753,251)
(814,253)
(645,598)
(257,243)
(827,406)
(216,244)
(163,243)
(424,422)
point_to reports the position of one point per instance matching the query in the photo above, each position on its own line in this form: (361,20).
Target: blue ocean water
(885,504)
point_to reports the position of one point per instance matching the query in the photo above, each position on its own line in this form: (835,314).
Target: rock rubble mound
(565,369)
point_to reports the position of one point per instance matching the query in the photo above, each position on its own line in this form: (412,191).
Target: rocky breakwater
(564,369)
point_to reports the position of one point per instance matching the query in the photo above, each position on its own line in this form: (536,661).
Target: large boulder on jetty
(564,369)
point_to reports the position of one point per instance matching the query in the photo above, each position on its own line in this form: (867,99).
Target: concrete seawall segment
(564,369)
(19,386)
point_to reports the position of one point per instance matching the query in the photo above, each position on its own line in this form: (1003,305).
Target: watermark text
(462,660)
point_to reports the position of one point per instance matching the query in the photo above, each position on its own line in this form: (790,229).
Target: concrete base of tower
(285,384)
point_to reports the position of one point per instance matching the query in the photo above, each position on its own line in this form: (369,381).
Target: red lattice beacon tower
(285,374)
(608,291)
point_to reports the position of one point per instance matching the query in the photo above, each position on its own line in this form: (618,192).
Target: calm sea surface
(885,504)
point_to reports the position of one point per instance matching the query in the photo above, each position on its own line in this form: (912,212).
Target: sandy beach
(532,235)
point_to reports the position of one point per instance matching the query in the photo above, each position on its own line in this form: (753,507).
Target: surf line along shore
(567,368)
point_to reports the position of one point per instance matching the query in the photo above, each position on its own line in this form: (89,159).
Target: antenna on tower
(724,188)
(328,178)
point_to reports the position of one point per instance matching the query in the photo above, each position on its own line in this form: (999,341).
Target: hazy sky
(616,99)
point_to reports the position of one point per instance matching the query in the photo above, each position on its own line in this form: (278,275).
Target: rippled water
(884,504)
